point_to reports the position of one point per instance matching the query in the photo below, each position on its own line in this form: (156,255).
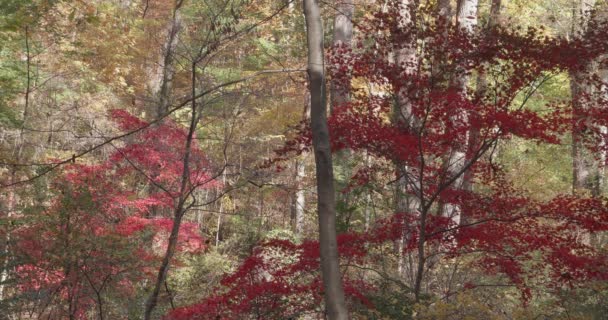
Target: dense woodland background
(156,159)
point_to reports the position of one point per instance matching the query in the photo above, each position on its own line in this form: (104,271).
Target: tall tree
(326,198)
(162,69)
(299,201)
(342,38)
(340,90)
(466,21)
(481,87)
(406,59)
(585,166)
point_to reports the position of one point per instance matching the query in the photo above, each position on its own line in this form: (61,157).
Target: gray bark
(161,76)
(467,15)
(326,202)
(481,87)
(221,212)
(585,167)
(444,9)
(467,21)
(406,58)
(343,34)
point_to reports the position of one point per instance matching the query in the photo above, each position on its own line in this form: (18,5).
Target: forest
(282,159)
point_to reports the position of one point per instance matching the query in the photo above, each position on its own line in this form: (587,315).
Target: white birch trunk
(300,201)
(467,22)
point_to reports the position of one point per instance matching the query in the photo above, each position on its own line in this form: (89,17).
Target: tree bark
(180,208)
(467,15)
(299,203)
(585,167)
(299,200)
(160,81)
(326,201)
(340,95)
(406,58)
(481,87)
(466,20)
(343,34)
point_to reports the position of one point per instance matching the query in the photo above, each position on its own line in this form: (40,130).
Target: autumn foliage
(500,229)
(107,224)
(437,216)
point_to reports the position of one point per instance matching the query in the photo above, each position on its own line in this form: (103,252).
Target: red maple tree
(502,229)
(101,229)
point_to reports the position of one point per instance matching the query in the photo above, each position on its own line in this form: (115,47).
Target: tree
(60,255)
(514,238)
(585,166)
(436,119)
(326,201)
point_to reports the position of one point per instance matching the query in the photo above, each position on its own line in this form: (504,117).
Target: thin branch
(54,165)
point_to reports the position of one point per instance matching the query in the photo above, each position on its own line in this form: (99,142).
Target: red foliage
(506,231)
(96,231)
(281,279)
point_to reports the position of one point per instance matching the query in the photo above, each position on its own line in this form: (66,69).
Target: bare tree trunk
(340,95)
(481,87)
(467,22)
(300,196)
(299,201)
(343,34)
(407,59)
(467,15)
(444,9)
(368,198)
(326,201)
(11,206)
(220,213)
(161,78)
(586,167)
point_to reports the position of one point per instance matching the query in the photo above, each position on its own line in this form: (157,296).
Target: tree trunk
(343,34)
(180,207)
(586,167)
(342,37)
(456,160)
(481,87)
(299,200)
(326,201)
(160,81)
(220,213)
(407,59)
(467,15)
(299,203)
